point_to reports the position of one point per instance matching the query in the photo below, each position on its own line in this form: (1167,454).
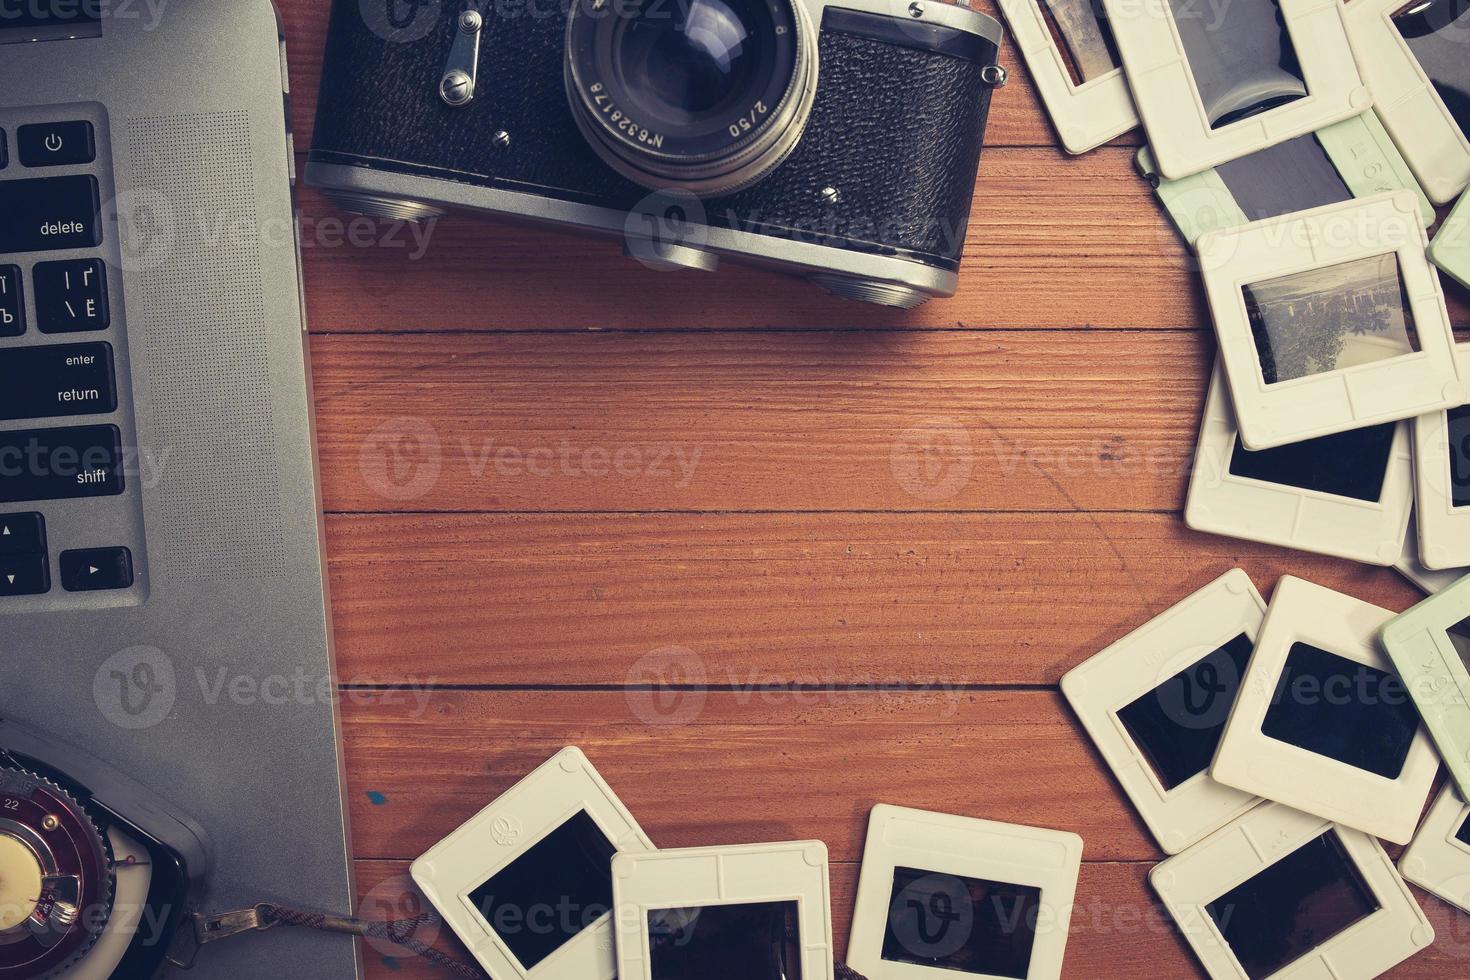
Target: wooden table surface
(767,556)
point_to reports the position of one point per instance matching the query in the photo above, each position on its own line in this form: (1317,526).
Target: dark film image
(1350,464)
(1463,834)
(1331,319)
(1359,715)
(755,941)
(1292,907)
(553,891)
(968,925)
(1080,30)
(1459,429)
(1178,724)
(1293,176)
(1437,31)
(1460,638)
(1241,57)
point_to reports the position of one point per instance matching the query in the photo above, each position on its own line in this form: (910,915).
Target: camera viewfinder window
(1331,319)
(1293,176)
(1177,725)
(1459,427)
(755,941)
(558,887)
(1079,29)
(1460,639)
(967,925)
(1350,464)
(1437,32)
(1293,907)
(1356,714)
(1241,57)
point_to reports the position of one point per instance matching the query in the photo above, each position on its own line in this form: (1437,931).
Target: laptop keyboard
(70,520)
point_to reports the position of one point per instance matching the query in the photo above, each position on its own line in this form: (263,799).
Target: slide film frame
(1254,762)
(1419,644)
(1437,860)
(701,877)
(1220,502)
(498,835)
(1406,101)
(1169,101)
(1359,148)
(1085,116)
(1402,387)
(899,837)
(1444,529)
(1450,249)
(1428,580)
(1188,882)
(1140,663)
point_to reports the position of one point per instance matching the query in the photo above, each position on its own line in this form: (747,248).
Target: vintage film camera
(95,872)
(837,142)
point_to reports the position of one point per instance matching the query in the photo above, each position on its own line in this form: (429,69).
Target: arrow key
(24,576)
(96,569)
(22,535)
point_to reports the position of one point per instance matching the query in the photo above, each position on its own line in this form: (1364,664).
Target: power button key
(56,144)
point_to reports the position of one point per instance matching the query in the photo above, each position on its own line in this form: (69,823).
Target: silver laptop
(161,576)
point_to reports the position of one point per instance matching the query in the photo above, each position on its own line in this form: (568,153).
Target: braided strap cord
(400,932)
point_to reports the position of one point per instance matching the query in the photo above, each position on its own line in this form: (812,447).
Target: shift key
(50,213)
(52,382)
(59,464)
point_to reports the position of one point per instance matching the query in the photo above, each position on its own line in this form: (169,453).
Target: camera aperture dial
(49,844)
(703,96)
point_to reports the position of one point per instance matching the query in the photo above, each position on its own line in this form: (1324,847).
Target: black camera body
(839,142)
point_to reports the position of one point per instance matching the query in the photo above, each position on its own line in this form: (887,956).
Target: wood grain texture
(1030,420)
(1118,928)
(825,599)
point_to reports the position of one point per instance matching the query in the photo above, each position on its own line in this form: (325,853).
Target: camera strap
(400,932)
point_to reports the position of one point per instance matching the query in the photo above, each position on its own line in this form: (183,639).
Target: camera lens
(705,96)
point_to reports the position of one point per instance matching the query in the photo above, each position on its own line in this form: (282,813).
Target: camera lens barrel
(702,96)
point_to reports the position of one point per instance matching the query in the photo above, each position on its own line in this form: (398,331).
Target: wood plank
(1016,119)
(737,769)
(1118,929)
(1054,241)
(824,600)
(759,421)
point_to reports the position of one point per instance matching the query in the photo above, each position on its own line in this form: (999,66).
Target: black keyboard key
(60,464)
(22,535)
(4,151)
(56,144)
(12,302)
(50,213)
(25,576)
(53,382)
(71,296)
(96,569)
